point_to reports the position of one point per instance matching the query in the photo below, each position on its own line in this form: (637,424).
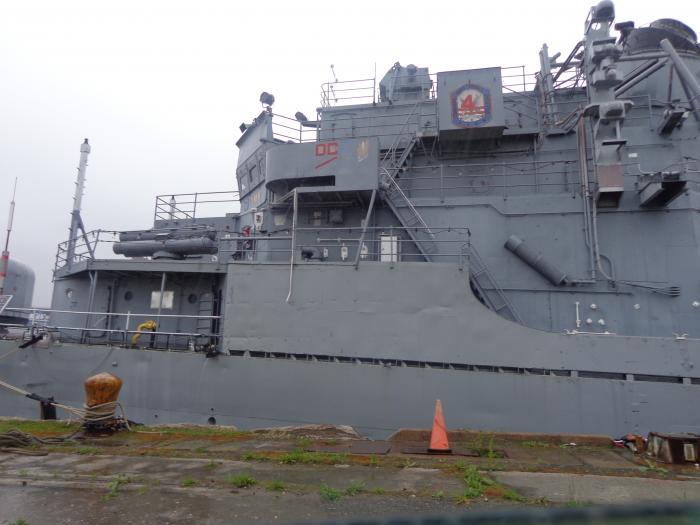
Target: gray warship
(523,247)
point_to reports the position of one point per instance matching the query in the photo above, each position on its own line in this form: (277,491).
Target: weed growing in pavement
(511,495)
(212,464)
(19,521)
(378,491)
(408,463)
(329,494)
(312,458)
(277,486)
(355,489)
(114,486)
(188,481)
(476,484)
(242,481)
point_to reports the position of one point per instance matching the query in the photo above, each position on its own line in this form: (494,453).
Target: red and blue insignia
(471,105)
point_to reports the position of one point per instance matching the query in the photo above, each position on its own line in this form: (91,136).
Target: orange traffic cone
(438,436)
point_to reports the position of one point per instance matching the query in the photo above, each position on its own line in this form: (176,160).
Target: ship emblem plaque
(470,105)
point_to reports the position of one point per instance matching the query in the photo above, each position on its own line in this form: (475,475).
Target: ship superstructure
(522,247)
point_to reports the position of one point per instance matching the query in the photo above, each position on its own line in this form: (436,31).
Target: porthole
(69,293)
(128,296)
(211,420)
(192,298)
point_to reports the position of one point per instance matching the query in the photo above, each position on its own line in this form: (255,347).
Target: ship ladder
(487,288)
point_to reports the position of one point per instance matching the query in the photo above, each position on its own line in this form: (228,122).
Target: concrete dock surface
(213,475)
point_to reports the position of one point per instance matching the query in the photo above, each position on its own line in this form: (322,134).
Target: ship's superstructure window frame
(168,300)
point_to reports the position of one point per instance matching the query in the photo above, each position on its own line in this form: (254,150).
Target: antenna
(5,257)
(76,222)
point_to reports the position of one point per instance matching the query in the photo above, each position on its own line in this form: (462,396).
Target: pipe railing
(85,248)
(158,339)
(340,245)
(184,206)
(365,90)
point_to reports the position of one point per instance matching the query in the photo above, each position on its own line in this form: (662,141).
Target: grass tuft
(355,489)
(511,495)
(329,494)
(188,481)
(114,486)
(242,481)
(312,458)
(276,486)
(476,484)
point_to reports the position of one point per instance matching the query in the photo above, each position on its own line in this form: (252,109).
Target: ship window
(192,298)
(128,296)
(168,299)
(316,218)
(252,173)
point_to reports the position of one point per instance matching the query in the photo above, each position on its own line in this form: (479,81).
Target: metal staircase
(482,281)
(408,216)
(487,289)
(392,163)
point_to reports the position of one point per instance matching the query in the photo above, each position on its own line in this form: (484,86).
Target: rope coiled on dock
(19,442)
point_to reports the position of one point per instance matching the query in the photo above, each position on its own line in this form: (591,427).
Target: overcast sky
(160,87)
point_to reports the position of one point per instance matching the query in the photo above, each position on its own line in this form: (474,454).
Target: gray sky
(161,86)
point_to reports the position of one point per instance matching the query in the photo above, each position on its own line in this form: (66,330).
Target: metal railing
(292,130)
(86,247)
(184,206)
(393,244)
(446,179)
(80,330)
(365,90)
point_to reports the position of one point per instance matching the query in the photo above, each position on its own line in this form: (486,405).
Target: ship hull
(374,347)
(376,399)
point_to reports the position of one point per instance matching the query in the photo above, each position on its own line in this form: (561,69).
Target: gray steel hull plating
(374,348)
(163,387)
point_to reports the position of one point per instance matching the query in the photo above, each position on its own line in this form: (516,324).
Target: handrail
(315,242)
(410,205)
(392,150)
(183,206)
(40,327)
(118,314)
(331,92)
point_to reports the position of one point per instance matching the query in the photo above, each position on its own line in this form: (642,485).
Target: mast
(76,222)
(5,257)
